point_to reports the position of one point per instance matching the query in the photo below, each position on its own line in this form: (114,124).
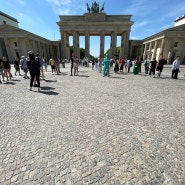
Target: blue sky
(40,16)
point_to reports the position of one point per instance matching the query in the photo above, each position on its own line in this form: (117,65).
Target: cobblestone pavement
(88,129)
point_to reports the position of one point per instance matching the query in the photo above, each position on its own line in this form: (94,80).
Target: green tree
(82,52)
(115,54)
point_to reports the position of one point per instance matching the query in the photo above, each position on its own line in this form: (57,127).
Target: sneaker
(0,82)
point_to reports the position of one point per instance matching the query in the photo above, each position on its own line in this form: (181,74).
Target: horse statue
(88,8)
(95,8)
(102,8)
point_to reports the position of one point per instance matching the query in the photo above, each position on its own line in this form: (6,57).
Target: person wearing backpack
(34,68)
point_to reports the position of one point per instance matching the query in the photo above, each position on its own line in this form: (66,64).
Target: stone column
(162,47)
(170,53)
(76,44)
(149,51)
(122,46)
(67,47)
(19,47)
(63,45)
(155,49)
(51,51)
(33,46)
(8,49)
(145,51)
(113,44)
(124,50)
(26,45)
(87,45)
(102,44)
(182,56)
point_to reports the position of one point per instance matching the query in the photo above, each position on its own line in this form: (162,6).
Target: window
(15,43)
(175,44)
(4,22)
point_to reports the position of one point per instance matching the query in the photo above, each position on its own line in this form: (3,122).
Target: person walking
(34,68)
(136,67)
(1,70)
(160,65)
(106,69)
(40,60)
(16,66)
(24,67)
(73,58)
(7,68)
(147,64)
(175,67)
(152,67)
(52,64)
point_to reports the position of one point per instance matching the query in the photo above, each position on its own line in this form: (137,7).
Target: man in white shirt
(175,67)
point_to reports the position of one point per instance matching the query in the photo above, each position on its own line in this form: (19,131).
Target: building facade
(170,43)
(95,24)
(16,42)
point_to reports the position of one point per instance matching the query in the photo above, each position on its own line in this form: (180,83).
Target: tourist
(39,59)
(106,69)
(152,67)
(57,65)
(122,63)
(1,70)
(99,65)
(76,63)
(175,67)
(93,62)
(136,67)
(146,65)
(96,64)
(129,64)
(45,63)
(24,66)
(72,63)
(16,66)
(52,64)
(116,66)
(34,68)
(7,68)
(159,66)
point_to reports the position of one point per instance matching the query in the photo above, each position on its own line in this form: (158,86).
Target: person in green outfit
(106,69)
(136,67)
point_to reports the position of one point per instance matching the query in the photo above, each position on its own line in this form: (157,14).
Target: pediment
(9,29)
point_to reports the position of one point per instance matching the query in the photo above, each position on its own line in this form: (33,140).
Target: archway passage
(95,24)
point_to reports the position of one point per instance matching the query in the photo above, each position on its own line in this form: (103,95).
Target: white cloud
(134,38)
(20,2)
(167,26)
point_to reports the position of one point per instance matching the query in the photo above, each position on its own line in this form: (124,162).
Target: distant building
(180,20)
(6,19)
(170,43)
(16,42)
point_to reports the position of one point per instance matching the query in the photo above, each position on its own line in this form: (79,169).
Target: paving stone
(86,129)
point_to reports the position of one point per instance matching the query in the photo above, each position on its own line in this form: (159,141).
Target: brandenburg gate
(94,23)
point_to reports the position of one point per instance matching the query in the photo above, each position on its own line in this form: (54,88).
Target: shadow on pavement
(85,76)
(16,80)
(116,77)
(50,80)
(49,93)
(9,83)
(47,88)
